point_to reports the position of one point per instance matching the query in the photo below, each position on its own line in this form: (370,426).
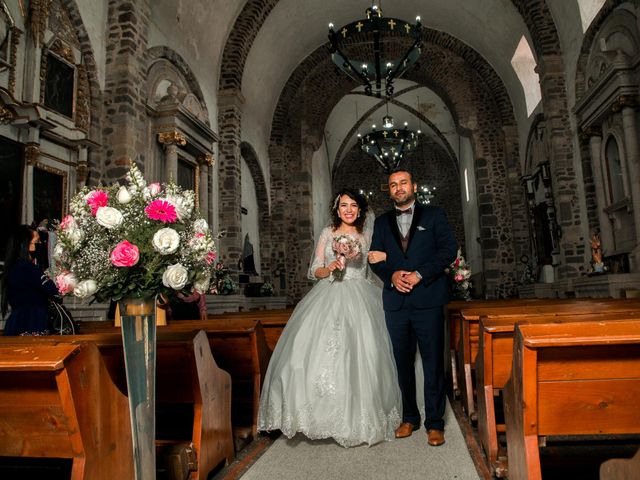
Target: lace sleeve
(317,260)
(367,231)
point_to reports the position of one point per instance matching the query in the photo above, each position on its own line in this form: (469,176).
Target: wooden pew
(58,401)
(570,379)
(493,367)
(193,395)
(469,338)
(273,322)
(240,347)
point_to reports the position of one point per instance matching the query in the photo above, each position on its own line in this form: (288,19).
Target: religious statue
(596,253)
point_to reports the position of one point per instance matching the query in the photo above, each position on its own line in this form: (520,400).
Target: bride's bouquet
(345,248)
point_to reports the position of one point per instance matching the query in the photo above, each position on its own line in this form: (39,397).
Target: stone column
(206,162)
(632,148)
(564,179)
(31,155)
(230,104)
(170,142)
(595,144)
(125,129)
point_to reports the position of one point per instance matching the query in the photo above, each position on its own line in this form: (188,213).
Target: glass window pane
(186,175)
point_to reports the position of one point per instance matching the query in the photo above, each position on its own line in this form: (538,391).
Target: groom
(419,244)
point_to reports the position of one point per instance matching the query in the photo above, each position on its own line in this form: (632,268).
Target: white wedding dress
(332,373)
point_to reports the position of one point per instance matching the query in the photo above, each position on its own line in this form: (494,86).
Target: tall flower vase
(139,344)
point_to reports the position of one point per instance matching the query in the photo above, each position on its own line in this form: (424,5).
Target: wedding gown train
(332,373)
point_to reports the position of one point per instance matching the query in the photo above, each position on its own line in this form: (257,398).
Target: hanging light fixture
(424,194)
(388,145)
(377,72)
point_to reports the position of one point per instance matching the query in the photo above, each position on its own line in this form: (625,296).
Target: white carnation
(85,288)
(200,226)
(175,276)
(123,195)
(166,241)
(109,217)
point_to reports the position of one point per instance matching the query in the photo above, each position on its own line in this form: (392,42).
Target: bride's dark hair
(362,205)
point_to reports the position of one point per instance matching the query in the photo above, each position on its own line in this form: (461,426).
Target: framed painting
(59,87)
(49,193)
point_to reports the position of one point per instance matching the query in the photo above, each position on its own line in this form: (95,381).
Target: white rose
(123,195)
(200,226)
(74,235)
(85,288)
(109,217)
(175,276)
(166,241)
(201,284)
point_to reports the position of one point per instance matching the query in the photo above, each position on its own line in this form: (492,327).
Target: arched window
(614,171)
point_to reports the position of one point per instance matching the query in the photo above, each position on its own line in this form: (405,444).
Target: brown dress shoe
(435,438)
(406,429)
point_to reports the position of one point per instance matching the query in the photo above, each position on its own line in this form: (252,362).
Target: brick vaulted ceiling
(271,38)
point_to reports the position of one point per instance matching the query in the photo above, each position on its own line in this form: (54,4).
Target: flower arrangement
(345,248)
(222,283)
(459,272)
(266,289)
(137,240)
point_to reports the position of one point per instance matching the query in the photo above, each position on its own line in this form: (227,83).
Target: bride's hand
(376,256)
(334,265)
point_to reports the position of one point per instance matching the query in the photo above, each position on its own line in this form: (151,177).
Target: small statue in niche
(596,253)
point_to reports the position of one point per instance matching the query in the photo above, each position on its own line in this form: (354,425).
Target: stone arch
(240,40)
(251,158)
(537,16)
(478,99)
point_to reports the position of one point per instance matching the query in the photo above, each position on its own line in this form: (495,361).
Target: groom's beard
(407,201)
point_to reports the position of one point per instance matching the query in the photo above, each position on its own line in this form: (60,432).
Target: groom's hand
(401,281)
(412,278)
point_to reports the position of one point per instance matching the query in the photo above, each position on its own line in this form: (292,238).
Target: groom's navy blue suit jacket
(432,248)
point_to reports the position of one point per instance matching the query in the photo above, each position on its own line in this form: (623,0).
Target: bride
(332,373)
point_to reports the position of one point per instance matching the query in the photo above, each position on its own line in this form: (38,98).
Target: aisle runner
(403,459)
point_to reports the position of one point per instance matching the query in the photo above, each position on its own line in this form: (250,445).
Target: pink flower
(199,235)
(458,277)
(210,258)
(66,282)
(97,199)
(154,188)
(161,210)
(125,254)
(67,221)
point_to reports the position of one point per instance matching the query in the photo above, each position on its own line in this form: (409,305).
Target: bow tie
(403,212)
